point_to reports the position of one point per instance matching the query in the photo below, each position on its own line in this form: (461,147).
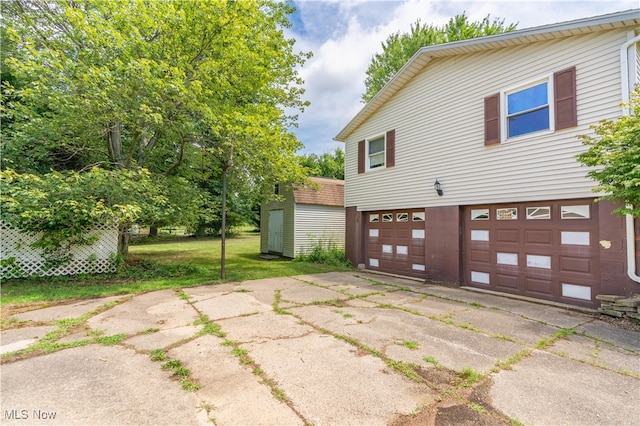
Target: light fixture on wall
(438,187)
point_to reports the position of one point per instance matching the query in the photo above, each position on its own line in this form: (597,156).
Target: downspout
(631,234)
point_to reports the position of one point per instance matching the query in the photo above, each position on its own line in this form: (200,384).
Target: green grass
(177,263)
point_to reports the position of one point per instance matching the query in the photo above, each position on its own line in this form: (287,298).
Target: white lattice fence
(94,259)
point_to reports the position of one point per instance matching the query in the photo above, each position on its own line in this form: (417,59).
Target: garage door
(544,250)
(395,241)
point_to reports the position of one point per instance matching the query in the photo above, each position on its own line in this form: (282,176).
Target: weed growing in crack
(470,376)
(182,295)
(111,340)
(277,298)
(157,355)
(209,327)
(477,407)
(410,344)
(183,374)
(431,360)
(508,363)
(406,368)
(150,331)
(477,305)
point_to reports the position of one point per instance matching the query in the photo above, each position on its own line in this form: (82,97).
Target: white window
(374,217)
(480,214)
(538,213)
(479,235)
(387,217)
(402,217)
(528,108)
(510,213)
(417,234)
(417,216)
(575,212)
(376,153)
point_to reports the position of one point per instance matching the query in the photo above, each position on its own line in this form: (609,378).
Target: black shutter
(361,157)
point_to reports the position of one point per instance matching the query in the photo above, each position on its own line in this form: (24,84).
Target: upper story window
(547,104)
(375,153)
(378,152)
(528,109)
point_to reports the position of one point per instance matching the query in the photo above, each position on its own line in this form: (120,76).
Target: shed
(305,216)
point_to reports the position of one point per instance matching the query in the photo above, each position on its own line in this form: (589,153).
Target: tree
(63,208)
(615,152)
(124,84)
(399,48)
(330,165)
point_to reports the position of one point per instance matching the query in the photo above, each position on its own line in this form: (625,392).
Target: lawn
(177,263)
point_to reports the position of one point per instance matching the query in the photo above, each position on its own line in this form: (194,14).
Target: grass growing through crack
(470,376)
(157,355)
(431,360)
(182,373)
(545,343)
(508,363)
(209,327)
(277,298)
(410,344)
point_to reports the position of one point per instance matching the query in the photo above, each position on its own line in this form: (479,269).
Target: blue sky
(345,34)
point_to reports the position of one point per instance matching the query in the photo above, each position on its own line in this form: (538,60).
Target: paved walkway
(328,349)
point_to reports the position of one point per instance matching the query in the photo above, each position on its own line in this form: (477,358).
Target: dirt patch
(458,405)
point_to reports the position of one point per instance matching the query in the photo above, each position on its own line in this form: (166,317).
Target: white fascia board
(527,35)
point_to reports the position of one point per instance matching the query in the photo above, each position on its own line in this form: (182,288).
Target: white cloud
(344,35)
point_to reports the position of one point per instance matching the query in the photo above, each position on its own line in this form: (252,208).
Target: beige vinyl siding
(315,223)
(288,208)
(438,118)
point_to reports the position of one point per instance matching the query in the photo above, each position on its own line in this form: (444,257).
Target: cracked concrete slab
(558,390)
(507,324)
(453,347)
(599,353)
(96,385)
(64,311)
(21,338)
(159,309)
(231,393)
(325,363)
(231,305)
(603,330)
(329,383)
(162,338)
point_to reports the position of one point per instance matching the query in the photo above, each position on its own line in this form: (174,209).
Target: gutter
(631,233)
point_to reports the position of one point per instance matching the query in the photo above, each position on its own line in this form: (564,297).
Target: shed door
(276,225)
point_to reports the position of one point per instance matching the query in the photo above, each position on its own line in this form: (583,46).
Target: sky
(345,34)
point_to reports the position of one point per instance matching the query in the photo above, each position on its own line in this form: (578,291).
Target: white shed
(308,215)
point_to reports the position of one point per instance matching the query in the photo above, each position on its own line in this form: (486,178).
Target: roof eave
(527,35)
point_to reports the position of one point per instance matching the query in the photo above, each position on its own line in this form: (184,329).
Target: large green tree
(400,47)
(165,85)
(329,164)
(614,152)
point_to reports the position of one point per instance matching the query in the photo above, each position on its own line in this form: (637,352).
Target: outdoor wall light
(438,187)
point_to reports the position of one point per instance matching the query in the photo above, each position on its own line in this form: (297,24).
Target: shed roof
(329,192)
(514,38)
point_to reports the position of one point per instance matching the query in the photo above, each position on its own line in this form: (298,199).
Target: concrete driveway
(329,349)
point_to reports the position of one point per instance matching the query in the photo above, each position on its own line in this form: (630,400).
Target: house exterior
(304,217)
(494,122)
